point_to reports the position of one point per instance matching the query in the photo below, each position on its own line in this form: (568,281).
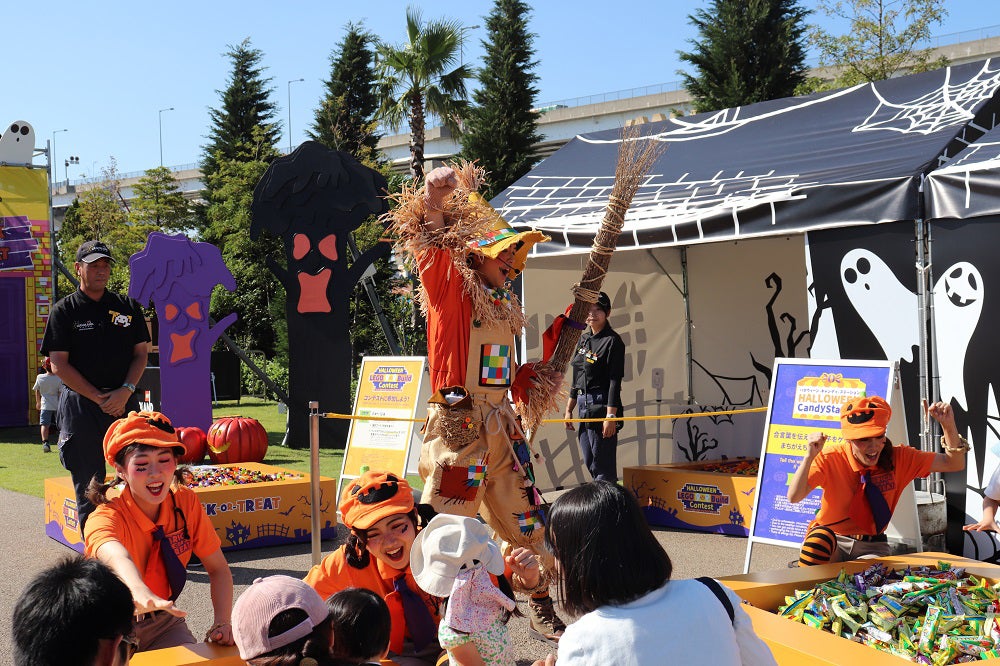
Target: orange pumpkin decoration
(236,439)
(196,443)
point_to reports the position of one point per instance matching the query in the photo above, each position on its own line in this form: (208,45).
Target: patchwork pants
(476,461)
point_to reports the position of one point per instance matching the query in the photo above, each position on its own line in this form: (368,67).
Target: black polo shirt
(100,336)
(599,364)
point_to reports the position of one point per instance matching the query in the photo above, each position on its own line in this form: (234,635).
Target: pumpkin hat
(497,235)
(148,428)
(861,418)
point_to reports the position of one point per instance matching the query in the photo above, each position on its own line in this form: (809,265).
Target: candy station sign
(806,396)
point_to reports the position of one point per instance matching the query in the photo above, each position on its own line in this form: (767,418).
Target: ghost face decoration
(958,304)
(313,286)
(17,145)
(886,306)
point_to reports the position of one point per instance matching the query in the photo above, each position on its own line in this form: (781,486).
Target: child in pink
(453,557)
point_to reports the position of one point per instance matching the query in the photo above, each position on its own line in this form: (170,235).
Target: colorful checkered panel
(494,365)
(529,521)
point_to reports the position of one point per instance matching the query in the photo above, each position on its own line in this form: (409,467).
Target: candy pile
(737,467)
(926,615)
(207,475)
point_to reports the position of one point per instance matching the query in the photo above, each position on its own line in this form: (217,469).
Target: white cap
(447,546)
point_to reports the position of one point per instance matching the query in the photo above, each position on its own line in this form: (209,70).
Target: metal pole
(52,158)
(290,112)
(314,480)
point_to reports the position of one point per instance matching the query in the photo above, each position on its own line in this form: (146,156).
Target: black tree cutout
(312,200)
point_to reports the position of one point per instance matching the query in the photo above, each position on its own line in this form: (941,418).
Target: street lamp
(161,131)
(72,159)
(290,111)
(52,158)
(461,43)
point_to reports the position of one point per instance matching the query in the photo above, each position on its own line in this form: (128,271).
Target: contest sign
(388,386)
(805,397)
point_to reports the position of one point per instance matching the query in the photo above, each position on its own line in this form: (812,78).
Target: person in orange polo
(379,510)
(862,478)
(147,532)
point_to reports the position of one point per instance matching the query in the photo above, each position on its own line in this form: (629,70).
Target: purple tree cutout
(178,275)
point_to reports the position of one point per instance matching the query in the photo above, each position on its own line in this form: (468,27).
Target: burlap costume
(474,457)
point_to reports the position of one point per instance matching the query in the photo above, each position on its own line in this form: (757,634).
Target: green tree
(245,104)
(884,38)
(259,299)
(345,119)
(159,201)
(748,51)
(501,130)
(420,77)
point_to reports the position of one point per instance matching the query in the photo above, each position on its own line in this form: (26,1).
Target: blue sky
(102,71)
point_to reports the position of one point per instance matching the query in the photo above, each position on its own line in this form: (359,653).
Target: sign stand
(805,396)
(388,386)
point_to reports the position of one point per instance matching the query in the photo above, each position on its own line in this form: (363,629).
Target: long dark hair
(606,552)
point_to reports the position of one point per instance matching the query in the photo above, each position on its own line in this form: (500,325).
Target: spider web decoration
(951,104)
(576,203)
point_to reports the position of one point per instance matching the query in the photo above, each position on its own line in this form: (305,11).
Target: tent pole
(688,361)
(928,361)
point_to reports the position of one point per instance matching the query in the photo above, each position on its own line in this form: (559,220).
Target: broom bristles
(636,157)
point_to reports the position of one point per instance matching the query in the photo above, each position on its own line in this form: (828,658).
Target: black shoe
(45,447)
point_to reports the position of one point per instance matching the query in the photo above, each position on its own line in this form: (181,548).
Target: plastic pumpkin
(236,439)
(196,443)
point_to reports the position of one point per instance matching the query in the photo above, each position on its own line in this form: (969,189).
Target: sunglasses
(127,647)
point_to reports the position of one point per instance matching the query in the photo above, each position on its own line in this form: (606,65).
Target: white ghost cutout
(889,308)
(17,145)
(958,303)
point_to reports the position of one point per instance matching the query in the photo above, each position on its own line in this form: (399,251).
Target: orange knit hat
(372,497)
(864,417)
(149,428)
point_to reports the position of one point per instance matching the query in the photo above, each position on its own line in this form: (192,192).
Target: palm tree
(415,80)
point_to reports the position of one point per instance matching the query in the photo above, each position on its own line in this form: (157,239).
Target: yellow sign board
(389,388)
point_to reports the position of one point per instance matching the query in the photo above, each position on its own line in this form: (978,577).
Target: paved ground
(25,550)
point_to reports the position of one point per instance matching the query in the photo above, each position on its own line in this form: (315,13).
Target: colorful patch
(522,454)
(494,365)
(529,521)
(461,483)
(492,236)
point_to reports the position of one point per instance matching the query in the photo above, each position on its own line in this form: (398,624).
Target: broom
(636,157)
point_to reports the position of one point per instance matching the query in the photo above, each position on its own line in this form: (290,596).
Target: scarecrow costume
(475,457)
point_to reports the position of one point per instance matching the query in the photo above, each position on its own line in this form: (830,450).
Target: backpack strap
(723,598)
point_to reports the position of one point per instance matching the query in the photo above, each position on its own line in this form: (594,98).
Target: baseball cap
(864,417)
(372,497)
(92,250)
(262,602)
(149,428)
(448,545)
(604,302)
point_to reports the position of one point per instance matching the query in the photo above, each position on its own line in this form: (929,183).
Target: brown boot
(544,625)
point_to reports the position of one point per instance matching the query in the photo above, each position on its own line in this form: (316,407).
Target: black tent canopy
(847,157)
(968,185)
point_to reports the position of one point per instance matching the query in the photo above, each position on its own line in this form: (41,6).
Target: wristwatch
(130,387)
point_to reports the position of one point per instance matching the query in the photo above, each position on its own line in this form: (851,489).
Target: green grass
(24,468)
